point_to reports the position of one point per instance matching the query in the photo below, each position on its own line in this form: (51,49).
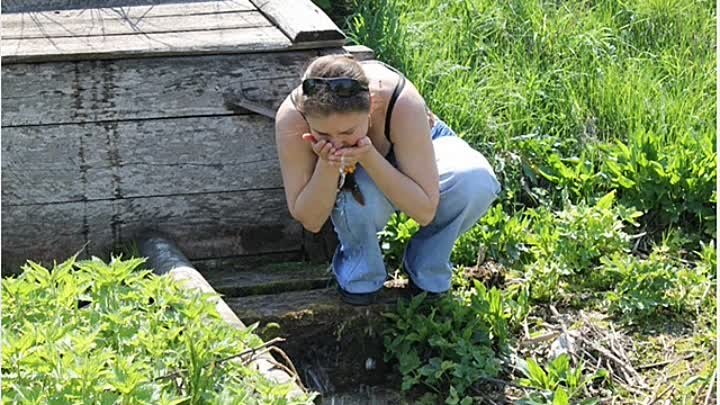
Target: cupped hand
(324,149)
(349,156)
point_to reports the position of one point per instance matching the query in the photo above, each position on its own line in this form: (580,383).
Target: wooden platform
(119,116)
(47,30)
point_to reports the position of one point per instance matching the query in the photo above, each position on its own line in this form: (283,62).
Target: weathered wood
(297,309)
(208,225)
(236,40)
(108,22)
(26,6)
(245,262)
(145,88)
(132,10)
(138,158)
(360,52)
(270,278)
(300,20)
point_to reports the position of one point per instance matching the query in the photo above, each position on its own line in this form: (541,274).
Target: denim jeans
(468,187)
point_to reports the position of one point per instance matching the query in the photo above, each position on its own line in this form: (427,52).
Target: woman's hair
(324,102)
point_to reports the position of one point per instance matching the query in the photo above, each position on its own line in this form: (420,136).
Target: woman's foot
(431,296)
(361,299)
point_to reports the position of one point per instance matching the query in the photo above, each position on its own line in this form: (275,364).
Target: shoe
(359,299)
(431,296)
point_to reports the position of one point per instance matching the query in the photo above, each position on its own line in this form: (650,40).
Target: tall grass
(525,80)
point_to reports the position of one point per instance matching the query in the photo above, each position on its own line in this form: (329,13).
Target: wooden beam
(300,20)
(110,23)
(234,40)
(360,52)
(28,6)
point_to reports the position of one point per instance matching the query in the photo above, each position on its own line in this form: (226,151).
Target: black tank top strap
(391,104)
(396,93)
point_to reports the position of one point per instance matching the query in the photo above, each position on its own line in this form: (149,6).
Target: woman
(368,118)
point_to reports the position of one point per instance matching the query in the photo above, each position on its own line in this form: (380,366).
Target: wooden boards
(94,152)
(210,27)
(138,158)
(147,88)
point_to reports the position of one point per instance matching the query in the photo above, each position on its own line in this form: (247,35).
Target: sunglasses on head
(341,86)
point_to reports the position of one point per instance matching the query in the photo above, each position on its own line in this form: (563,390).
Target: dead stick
(666,362)
(539,339)
(243,353)
(616,359)
(660,395)
(286,358)
(710,389)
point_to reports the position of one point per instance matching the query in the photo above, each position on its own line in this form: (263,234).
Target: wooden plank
(236,40)
(126,159)
(300,20)
(107,22)
(360,52)
(269,278)
(26,6)
(43,233)
(245,262)
(146,88)
(212,225)
(295,310)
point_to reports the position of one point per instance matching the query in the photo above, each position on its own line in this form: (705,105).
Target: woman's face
(340,129)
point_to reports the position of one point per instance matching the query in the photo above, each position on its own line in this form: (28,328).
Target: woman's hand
(324,149)
(349,156)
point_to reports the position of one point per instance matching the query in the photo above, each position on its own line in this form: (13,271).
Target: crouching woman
(356,142)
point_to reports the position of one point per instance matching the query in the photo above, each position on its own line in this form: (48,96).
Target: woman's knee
(474,187)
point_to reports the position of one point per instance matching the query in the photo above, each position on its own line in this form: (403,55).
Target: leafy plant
(502,237)
(565,247)
(452,344)
(395,238)
(658,285)
(558,382)
(88,332)
(672,180)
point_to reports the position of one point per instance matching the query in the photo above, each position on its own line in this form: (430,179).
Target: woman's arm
(310,183)
(414,188)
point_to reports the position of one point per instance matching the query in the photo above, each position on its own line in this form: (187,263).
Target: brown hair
(325,102)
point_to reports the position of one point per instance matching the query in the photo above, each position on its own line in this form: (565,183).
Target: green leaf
(560,397)
(606,202)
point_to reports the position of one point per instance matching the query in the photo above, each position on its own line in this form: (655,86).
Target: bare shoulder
(288,121)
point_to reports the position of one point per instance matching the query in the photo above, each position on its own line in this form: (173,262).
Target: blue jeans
(468,187)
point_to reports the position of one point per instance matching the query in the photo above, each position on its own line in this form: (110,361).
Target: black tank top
(391,104)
